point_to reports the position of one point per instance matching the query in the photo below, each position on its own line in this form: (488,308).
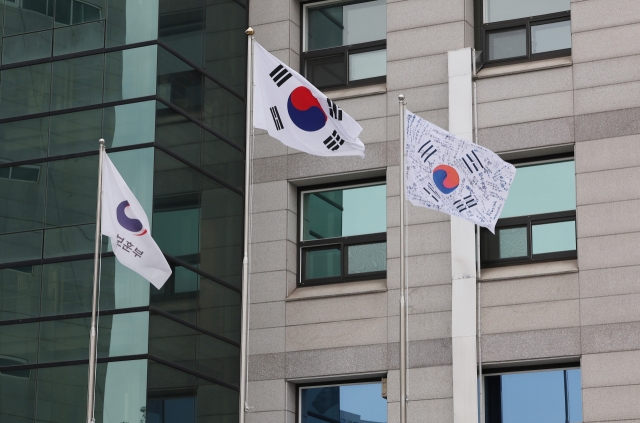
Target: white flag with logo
(125,222)
(446,173)
(297,114)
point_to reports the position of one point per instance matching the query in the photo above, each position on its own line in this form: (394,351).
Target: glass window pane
(550,37)
(18,344)
(367,65)
(62,394)
(533,397)
(18,393)
(129,124)
(513,242)
(181,27)
(506,44)
(122,390)
(20,292)
(333,26)
(71,191)
(130,73)
(545,188)
(325,26)
(223,160)
(67,287)
(324,263)
(355,403)
(77,82)
(76,38)
(503,10)
(178,134)
(177,232)
(131,21)
(365,22)
(25,90)
(552,237)
(223,112)
(20,247)
(86,12)
(179,83)
(327,71)
(24,139)
(21,48)
(574,395)
(22,197)
(121,287)
(75,132)
(367,258)
(344,212)
(34,15)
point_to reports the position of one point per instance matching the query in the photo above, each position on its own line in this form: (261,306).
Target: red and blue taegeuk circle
(305,110)
(446,178)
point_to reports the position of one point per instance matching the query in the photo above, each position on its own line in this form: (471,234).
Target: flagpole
(245,260)
(94,304)
(403,316)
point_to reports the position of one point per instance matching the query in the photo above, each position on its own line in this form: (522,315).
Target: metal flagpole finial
(101,141)
(401,98)
(249,31)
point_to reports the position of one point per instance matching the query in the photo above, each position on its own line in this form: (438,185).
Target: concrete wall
(586,309)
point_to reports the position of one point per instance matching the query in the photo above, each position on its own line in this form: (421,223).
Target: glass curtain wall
(162,83)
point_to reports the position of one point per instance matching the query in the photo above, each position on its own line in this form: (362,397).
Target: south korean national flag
(297,114)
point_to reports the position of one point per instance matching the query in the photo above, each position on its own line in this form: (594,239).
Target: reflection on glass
(27,16)
(25,90)
(76,38)
(367,258)
(344,212)
(550,37)
(130,73)
(77,82)
(513,242)
(125,391)
(121,287)
(71,191)
(367,65)
(131,21)
(552,237)
(353,403)
(503,10)
(67,287)
(223,160)
(544,188)
(20,247)
(181,27)
(179,134)
(223,112)
(534,397)
(24,139)
(62,394)
(333,26)
(75,132)
(506,44)
(322,263)
(129,124)
(18,393)
(181,84)
(327,71)
(20,292)
(177,232)
(18,344)
(22,191)
(21,48)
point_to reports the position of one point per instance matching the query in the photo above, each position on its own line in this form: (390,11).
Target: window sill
(366,90)
(529,270)
(337,290)
(557,62)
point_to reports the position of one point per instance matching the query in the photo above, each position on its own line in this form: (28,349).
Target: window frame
(346,50)
(343,242)
(500,371)
(529,221)
(485,29)
(359,381)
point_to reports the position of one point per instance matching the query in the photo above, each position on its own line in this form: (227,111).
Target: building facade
(557,95)
(163,83)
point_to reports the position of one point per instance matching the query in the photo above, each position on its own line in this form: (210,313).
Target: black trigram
(333,141)
(276,118)
(429,151)
(334,110)
(466,203)
(432,192)
(472,161)
(280,75)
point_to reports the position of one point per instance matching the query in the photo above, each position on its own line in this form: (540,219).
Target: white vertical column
(463,254)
